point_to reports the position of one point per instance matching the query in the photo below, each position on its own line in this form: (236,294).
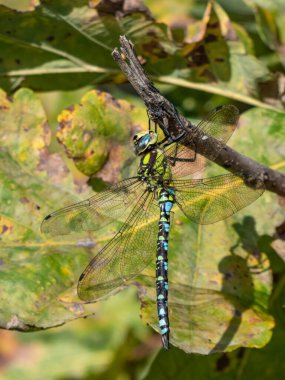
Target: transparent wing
(208,200)
(125,256)
(95,212)
(219,124)
(202,320)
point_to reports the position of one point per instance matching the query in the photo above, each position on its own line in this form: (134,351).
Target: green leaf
(23,5)
(34,271)
(265,364)
(95,131)
(209,58)
(267,4)
(39,276)
(66,45)
(87,347)
(265,129)
(220,61)
(177,364)
(63,45)
(266,15)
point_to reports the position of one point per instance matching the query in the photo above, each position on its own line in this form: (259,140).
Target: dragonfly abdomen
(165,200)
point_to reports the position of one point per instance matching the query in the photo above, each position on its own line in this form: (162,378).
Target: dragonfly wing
(219,124)
(95,212)
(125,256)
(210,200)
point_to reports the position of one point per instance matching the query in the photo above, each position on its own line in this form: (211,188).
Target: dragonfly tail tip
(165,341)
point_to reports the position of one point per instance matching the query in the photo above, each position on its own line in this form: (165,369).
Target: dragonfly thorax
(154,169)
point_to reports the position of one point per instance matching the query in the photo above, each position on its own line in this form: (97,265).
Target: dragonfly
(143,206)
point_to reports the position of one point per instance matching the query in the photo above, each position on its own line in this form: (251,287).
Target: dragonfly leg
(173,159)
(171,140)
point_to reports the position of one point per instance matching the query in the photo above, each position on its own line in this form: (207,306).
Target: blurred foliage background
(66,118)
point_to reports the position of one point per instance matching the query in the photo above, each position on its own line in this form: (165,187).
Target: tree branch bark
(172,123)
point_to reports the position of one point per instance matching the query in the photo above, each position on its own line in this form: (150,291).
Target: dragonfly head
(143,141)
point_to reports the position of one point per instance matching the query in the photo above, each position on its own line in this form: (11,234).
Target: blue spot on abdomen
(166,227)
(168,206)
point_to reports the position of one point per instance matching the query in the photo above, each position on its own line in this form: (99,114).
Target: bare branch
(172,123)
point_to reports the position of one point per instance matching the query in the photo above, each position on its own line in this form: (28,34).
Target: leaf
(246,363)
(34,272)
(269,21)
(265,364)
(265,15)
(179,365)
(63,45)
(81,353)
(208,58)
(39,276)
(266,4)
(265,129)
(23,5)
(220,61)
(66,45)
(93,131)
(267,27)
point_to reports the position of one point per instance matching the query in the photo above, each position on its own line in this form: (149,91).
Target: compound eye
(144,141)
